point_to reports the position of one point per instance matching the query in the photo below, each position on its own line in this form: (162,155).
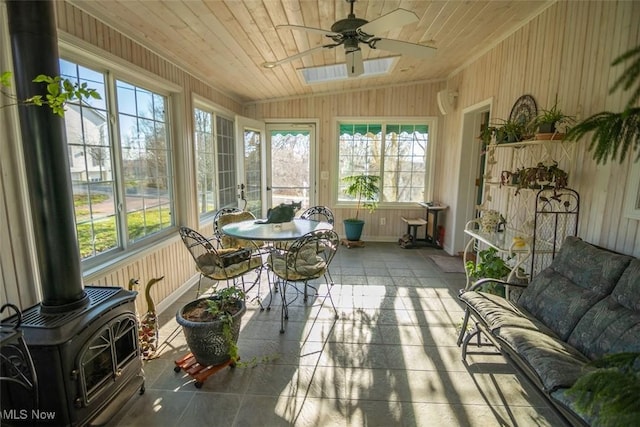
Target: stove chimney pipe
(34,46)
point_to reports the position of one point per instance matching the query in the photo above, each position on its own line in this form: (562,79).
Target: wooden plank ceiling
(225,42)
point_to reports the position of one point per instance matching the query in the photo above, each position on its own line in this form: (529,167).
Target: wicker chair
(307,258)
(228,264)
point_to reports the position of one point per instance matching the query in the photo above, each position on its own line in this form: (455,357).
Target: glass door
(250,166)
(291,164)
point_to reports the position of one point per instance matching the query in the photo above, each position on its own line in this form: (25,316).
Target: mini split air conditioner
(447,101)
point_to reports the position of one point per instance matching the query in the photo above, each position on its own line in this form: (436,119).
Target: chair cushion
(212,266)
(613,324)
(583,272)
(307,265)
(555,363)
(232,242)
(498,312)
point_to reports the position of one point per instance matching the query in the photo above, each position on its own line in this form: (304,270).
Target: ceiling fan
(352,31)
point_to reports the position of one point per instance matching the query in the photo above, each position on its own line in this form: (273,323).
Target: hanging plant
(614,135)
(536,177)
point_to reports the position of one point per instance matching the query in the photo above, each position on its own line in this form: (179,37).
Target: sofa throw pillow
(613,324)
(581,270)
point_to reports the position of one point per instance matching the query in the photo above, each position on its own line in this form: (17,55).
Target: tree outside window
(397,152)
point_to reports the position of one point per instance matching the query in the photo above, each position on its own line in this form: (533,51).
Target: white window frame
(115,68)
(215,111)
(632,193)
(430,121)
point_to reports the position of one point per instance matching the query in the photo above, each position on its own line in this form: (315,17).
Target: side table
(431,233)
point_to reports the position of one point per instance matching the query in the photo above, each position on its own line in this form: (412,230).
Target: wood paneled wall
(169,259)
(565,52)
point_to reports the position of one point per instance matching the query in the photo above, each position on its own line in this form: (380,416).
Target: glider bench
(585,305)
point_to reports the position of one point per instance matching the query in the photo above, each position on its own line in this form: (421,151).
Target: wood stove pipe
(34,46)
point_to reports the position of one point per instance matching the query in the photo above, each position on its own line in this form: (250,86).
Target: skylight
(331,73)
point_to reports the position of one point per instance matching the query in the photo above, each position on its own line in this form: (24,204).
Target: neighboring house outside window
(121,172)
(397,151)
(215,161)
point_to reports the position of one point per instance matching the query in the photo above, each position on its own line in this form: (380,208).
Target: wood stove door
(103,359)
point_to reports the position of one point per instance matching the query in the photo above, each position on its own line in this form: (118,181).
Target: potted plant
(489,265)
(363,188)
(505,131)
(211,326)
(549,121)
(615,134)
(536,177)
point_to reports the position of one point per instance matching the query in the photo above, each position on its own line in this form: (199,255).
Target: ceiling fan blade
(355,66)
(405,48)
(294,57)
(308,29)
(397,18)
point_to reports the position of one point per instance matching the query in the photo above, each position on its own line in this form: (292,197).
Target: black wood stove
(86,362)
(73,359)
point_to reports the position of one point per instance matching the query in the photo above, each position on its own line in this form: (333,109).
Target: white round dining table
(254,230)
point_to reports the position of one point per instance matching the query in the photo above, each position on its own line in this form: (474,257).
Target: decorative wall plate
(524,110)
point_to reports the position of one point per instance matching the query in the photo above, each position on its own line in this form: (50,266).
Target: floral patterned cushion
(555,362)
(303,265)
(579,277)
(613,324)
(498,311)
(233,242)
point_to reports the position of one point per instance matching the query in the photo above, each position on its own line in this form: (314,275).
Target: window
(632,193)
(121,174)
(216,174)
(397,152)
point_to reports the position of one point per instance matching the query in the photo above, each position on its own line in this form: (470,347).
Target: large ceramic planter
(205,339)
(353,229)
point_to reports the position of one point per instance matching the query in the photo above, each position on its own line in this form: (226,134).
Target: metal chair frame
(322,211)
(199,246)
(217,231)
(324,244)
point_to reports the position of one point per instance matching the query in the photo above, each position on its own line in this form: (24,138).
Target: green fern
(615,134)
(610,389)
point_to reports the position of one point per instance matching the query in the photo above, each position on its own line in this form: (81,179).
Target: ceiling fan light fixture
(351,32)
(331,73)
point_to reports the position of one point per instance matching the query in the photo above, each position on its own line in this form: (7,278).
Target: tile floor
(389,360)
